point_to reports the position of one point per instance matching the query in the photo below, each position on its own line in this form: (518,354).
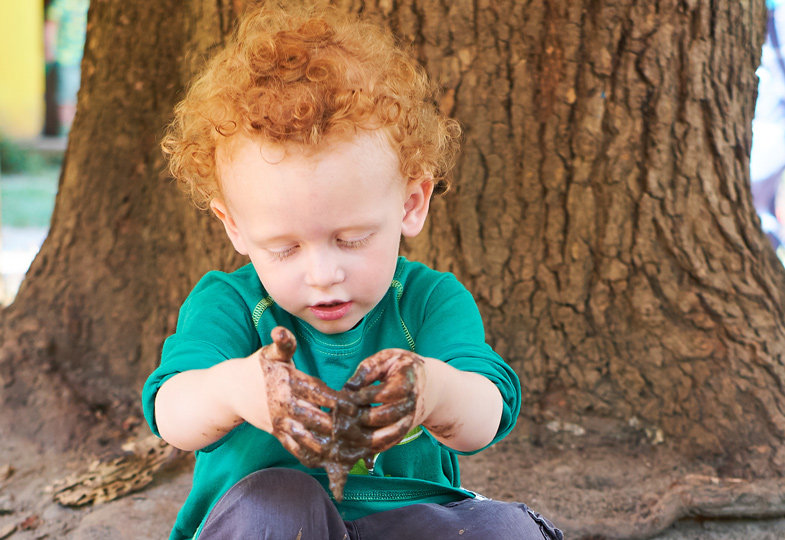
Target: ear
(416,205)
(222,212)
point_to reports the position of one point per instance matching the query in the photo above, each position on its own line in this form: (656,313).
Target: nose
(324,269)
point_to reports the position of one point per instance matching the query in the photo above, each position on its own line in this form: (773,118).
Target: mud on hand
(294,400)
(365,418)
(370,418)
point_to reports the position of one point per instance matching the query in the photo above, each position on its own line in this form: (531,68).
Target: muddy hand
(294,400)
(399,399)
(350,442)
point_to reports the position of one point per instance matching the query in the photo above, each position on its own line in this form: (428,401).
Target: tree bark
(601,214)
(125,245)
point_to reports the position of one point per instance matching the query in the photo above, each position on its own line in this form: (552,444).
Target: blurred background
(41,43)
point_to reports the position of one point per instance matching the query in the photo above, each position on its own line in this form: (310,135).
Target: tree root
(694,496)
(108,480)
(595,488)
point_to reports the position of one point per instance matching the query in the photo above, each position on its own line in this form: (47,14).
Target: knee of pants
(273,503)
(287,488)
(498,519)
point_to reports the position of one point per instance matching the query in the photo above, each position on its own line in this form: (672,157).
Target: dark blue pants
(288,504)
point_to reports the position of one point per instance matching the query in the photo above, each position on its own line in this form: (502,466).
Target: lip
(330,313)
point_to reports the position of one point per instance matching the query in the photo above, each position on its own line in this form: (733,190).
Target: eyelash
(353,244)
(349,244)
(281,255)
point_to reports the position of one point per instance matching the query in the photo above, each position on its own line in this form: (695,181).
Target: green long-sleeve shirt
(429,312)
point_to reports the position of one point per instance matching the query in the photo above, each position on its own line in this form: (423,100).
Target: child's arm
(196,408)
(460,409)
(463,409)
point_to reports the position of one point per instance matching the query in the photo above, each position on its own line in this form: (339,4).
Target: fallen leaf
(108,480)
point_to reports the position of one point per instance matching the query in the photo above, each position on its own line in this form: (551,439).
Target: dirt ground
(590,486)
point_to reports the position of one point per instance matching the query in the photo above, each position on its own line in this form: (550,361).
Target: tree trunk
(125,245)
(601,214)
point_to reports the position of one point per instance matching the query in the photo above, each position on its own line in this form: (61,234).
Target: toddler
(315,140)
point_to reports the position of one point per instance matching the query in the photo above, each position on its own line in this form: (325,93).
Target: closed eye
(355,242)
(281,254)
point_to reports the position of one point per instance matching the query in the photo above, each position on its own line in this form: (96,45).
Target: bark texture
(601,214)
(125,245)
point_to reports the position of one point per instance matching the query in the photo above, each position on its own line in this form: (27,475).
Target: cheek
(279,283)
(378,270)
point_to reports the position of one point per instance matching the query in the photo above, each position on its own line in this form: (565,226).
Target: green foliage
(15,159)
(27,200)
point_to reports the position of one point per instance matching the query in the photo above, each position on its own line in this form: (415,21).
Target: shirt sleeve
(214,325)
(452,330)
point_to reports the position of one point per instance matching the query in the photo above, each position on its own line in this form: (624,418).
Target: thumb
(283,346)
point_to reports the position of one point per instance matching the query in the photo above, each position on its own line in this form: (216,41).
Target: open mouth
(330,311)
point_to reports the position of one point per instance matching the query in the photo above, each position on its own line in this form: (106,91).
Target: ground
(589,485)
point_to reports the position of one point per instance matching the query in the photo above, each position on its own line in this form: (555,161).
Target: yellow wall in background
(21,68)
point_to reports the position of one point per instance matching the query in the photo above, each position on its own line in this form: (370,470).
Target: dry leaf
(105,481)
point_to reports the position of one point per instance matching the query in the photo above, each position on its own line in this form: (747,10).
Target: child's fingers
(283,346)
(369,371)
(314,419)
(312,390)
(374,368)
(365,395)
(305,457)
(399,385)
(349,430)
(391,435)
(389,413)
(304,439)
(344,406)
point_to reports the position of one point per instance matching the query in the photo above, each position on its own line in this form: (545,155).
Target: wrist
(431,391)
(240,386)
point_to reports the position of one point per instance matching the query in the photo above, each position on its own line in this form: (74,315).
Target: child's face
(321,228)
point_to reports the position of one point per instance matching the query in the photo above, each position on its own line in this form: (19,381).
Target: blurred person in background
(65,27)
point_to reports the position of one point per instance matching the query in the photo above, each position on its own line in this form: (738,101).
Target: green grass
(27,200)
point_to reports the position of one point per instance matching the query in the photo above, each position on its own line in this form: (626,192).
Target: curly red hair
(298,75)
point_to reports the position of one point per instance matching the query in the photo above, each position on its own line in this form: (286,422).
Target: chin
(333,327)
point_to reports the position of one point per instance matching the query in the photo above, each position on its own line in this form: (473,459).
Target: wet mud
(369,418)
(334,430)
